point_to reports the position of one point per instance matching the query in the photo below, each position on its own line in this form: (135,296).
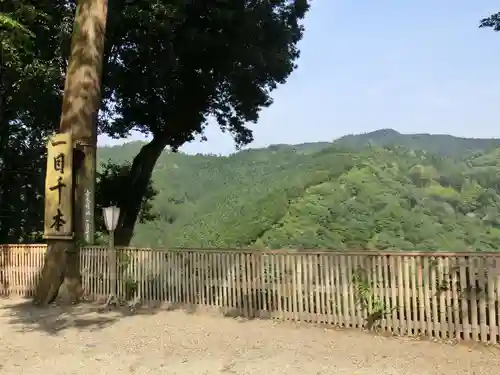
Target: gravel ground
(82,340)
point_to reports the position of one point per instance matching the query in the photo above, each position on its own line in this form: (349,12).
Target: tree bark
(138,179)
(60,279)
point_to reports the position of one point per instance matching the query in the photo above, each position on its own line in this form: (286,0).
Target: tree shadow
(52,320)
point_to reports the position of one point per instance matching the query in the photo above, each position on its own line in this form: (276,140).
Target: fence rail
(440,295)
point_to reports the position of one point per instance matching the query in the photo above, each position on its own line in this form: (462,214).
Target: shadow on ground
(54,319)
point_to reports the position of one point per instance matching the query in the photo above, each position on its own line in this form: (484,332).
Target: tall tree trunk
(81,101)
(138,180)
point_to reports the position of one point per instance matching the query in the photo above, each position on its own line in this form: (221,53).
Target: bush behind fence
(439,295)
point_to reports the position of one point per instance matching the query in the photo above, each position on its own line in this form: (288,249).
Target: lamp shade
(111,215)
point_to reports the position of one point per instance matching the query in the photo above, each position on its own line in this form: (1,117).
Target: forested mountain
(349,194)
(441,144)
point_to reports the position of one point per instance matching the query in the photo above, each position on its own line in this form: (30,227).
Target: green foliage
(7,22)
(492,21)
(438,144)
(328,197)
(30,77)
(172,65)
(180,62)
(168,66)
(366,299)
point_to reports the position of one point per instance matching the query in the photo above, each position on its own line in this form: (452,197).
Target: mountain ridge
(381,137)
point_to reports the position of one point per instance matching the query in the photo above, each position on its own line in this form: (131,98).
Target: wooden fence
(440,295)
(19,269)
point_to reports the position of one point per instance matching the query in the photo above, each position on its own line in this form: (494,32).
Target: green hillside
(351,194)
(441,144)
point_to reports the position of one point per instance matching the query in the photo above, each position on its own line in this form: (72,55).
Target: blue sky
(414,66)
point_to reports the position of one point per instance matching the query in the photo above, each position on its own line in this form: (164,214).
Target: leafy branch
(375,307)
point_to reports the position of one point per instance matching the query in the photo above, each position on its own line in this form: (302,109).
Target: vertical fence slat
(394,297)
(296,296)
(280,283)
(420,302)
(496,308)
(226,277)
(330,309)
(464,297)
(318,302)
(162,278)
(441,294)
(288,290)
(172,278)
(254,300)
(407,296)
(310,287)
(374,305)
(262,285)
(339,298)
(200,285)
(285,288)
(382,306)
(100,280)
(455,284)
(472,284)
(492,292)
(387,293)
(483,298)
(353,303)
(401,296)
(238,284)
(303,287)
(447,290)
(277,294)
(358,269)
(205,279)
(345,290)
(372,294)
(167,279)
(247,290)
(253,287)
(434,304)
(179,294)
(428,296)
(267,283)
(271,286)
(234,283)
(191,271)
(91,273)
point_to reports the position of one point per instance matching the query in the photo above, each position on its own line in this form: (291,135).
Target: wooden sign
(59,188)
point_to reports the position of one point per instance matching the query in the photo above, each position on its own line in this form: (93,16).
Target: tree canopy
(30,80)
(492,21)
(169,66)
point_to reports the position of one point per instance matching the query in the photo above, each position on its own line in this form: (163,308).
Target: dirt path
(83,341)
